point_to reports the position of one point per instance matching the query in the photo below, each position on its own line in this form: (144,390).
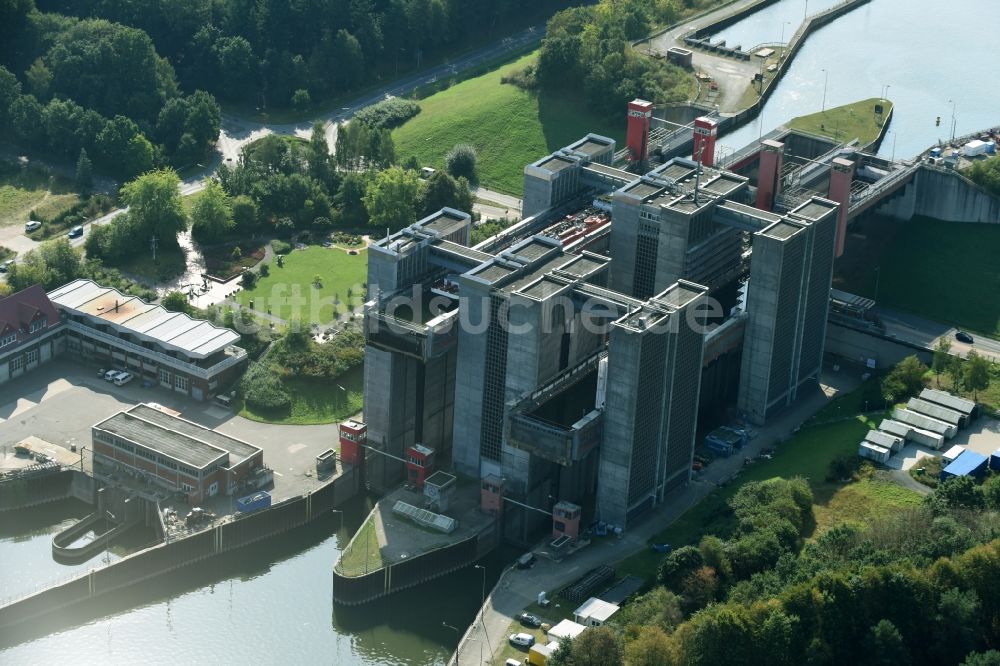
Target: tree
(301,99)
(942,358)
(959,492)
(176,301)
(699,588)
(884,646)
(391,199)
(988,658)
(678,565)
(154,201)
(906,379)
(442,190)
(991,492)
(975,374)
(350,199)
(461,161)
(52,264)
(84,173)
(211,214)
(597,646)
(650,648)
(39,79)
(244,213)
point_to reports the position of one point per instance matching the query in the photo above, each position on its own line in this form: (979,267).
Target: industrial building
(174,453)
(31,332)
(190,356)
(563,361)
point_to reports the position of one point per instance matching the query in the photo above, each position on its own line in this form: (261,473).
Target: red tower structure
(419,464)
(491,495)
(566,520)
(772,159)
(639,114)
(841,175)
(353,439)
(705,132)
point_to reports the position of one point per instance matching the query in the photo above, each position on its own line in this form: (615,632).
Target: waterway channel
(928,52)
(270,603)
(266,604)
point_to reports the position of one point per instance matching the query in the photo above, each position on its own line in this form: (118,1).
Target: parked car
(5,265)
(76,232)
(32,225)
(521,640)
(529,620)
(123,378)
(100,373)
(962,336)
(109,375)
(526,561)
(660,547)
(512,662)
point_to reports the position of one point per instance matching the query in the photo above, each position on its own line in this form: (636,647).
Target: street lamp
(953,105)
(482,613)
(805,14)
(826,78)
(107,539)
(885,92)
(878,272)
(782,40)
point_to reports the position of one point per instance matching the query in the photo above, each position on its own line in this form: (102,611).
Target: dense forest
(589,49)
(134,83)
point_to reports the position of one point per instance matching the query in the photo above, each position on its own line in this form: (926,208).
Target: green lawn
(946,271)
(843,123)
(32,188)
(362,555)
(290,293)
(862,501)
(509,127)
(316,401)
(169,263)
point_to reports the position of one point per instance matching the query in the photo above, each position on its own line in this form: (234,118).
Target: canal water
(266,604)
(927,51)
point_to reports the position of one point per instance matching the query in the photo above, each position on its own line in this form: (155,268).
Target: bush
(265,270)
(248,279)
(843,467)
(262,389)
(285,227)
(387,114)
(280,246)
(461,161)
(522,78)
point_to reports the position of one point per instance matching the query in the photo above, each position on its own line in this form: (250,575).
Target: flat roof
(968,462)
(556,163)
(180,447)
(680,294)
(584,266)
(782,230)
(529,250)
(643,190)
(591,147)
(239,449)
(948,400)
(444,221)
(596,609)
(543,287)
(175,330)
(814,209)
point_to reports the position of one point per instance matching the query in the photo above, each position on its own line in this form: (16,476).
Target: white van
(123,378)
(110,375)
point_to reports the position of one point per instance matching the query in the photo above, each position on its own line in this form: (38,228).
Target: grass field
(169,263)
(31,188)
(362,554)
(946,271)
(509,127)
(862,501)
(316,401)
(289,292)
(843,123)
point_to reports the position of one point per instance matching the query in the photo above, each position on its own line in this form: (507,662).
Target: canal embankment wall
(356,590)
(21,492)
(943,194)
(162,558)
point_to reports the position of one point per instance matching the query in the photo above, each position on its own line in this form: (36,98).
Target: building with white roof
(191,356)
(594,612)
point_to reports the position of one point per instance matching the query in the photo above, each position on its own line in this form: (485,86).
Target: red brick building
(174,453)
(30,332)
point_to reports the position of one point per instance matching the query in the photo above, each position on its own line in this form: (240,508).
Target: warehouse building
(190,356)
(174,453)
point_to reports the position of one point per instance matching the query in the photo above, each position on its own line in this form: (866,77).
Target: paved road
(926,333)
(518,588)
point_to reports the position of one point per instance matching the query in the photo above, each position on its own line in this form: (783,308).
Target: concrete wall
(24,492)
(859,346)
(944,195)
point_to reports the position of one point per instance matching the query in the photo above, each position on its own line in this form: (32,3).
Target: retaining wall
(159,559)
(24,492)
(859,346)
(353,591)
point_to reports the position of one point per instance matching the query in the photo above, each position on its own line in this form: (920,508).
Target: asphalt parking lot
(60,401)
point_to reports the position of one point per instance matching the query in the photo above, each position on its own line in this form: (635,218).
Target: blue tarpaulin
(969,463)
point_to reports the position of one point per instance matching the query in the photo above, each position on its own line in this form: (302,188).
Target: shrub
(248,279)
(521,78)
(262,389)
(461,161)
(388,114)
(265,270)
(843,466)
(280,246)
(285,227)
